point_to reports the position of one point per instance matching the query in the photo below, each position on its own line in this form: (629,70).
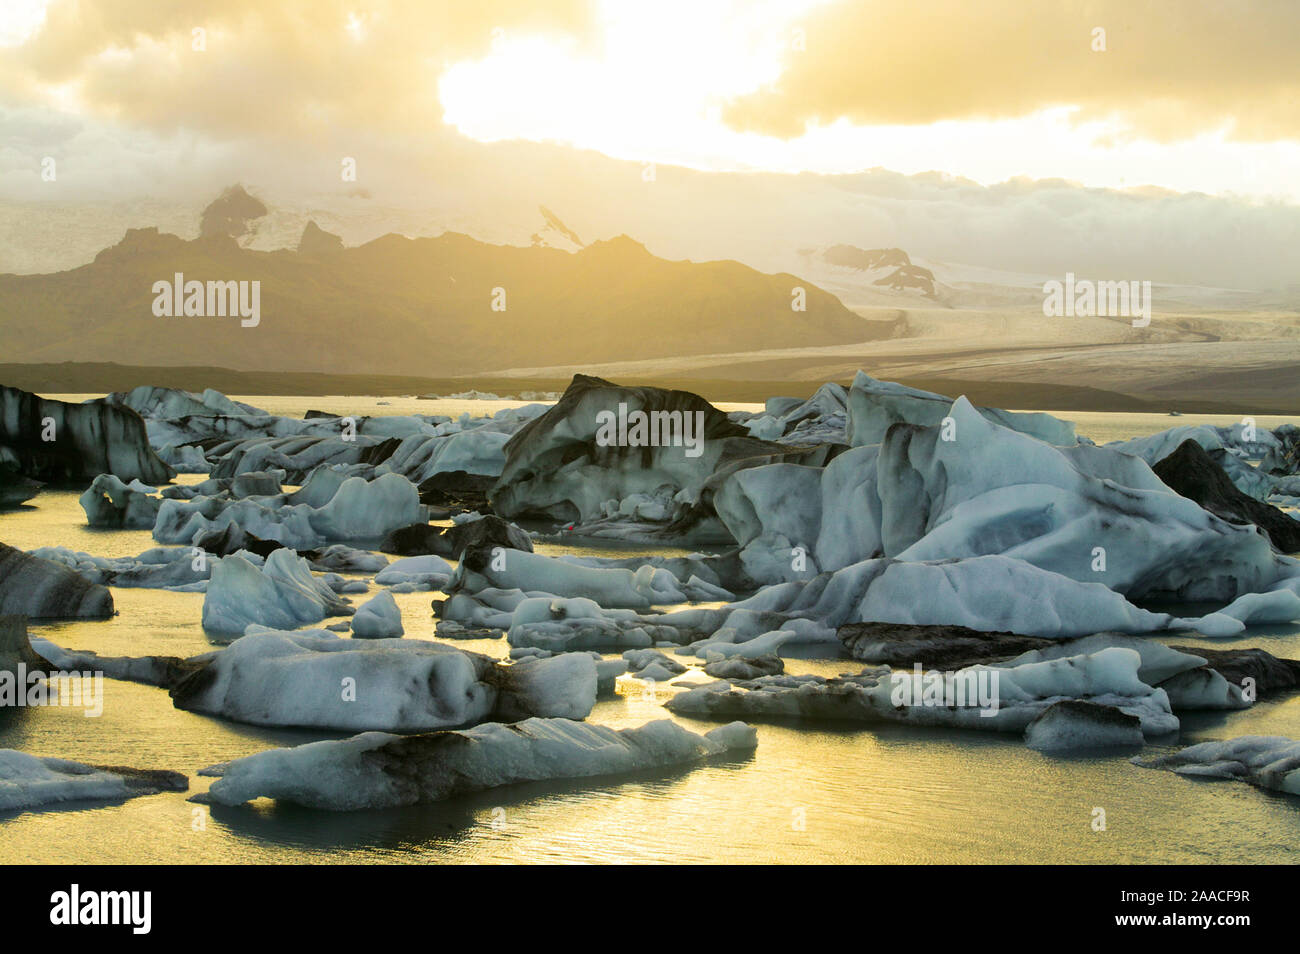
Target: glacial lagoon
(809,793)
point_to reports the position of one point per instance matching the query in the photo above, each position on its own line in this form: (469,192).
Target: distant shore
(1225,396)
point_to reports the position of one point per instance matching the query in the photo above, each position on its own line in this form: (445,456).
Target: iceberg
(379,618)
(501,568)
(878,695)
(328,508)
(43,589)
(558,467)
(1073,724)
(315,679)
(427,572)
(156,568)
(30,782)
(376,770)
(53,441)
(875,406)
(1266,761)
(108,502)
(281,593)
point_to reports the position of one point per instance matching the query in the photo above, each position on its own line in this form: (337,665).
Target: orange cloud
(1169,69)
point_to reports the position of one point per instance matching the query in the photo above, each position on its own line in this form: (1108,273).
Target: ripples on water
(813,793)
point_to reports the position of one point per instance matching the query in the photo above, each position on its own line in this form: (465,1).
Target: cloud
(297,68)
(1170,68)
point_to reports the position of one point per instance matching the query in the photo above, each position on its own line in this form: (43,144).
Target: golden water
(809,793)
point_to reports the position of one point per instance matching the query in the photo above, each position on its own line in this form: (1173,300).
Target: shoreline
(1230,395)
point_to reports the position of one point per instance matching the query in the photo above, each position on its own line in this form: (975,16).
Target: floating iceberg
(109,502)
(1007,700)
(375,770)
(156,568)
(874,406)
(609,587)
(32,782)
(557,466)
(55,441)
(379,618)
(1073,724)
(327,508)
(43,589)
(1266,761)
(1190,472)
(427,572)
(282,593)
(314,679)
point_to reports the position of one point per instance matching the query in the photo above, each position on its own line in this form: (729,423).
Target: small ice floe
(652,664)
(330,507)
(734,667)
(1267,761)
(614,588)
(155,568)
(29,782)
(607,670)
(418,572)
(380,618)
(110,502)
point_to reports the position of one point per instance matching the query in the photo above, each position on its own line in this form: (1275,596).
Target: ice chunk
(43,589)
(1267,761)
(32,782)
(315,679)
(282,593)
(1074,724)
(612,588)
(428,572)
(376,770)
(380,618)
(873,406)
(977,697)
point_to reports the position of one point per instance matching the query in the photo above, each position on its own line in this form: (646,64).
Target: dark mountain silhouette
(231,213)
(904,275)
(409,306)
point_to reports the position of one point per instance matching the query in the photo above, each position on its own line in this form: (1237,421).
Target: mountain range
(397,305)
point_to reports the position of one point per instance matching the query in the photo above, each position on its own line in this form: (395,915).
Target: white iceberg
(1266,761)
(375,770)
(874,406)
(379,618)
(314,679)
(30,782)
(282,593)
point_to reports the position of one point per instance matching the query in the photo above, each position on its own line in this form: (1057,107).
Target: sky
(1159,137)
(1183,95)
